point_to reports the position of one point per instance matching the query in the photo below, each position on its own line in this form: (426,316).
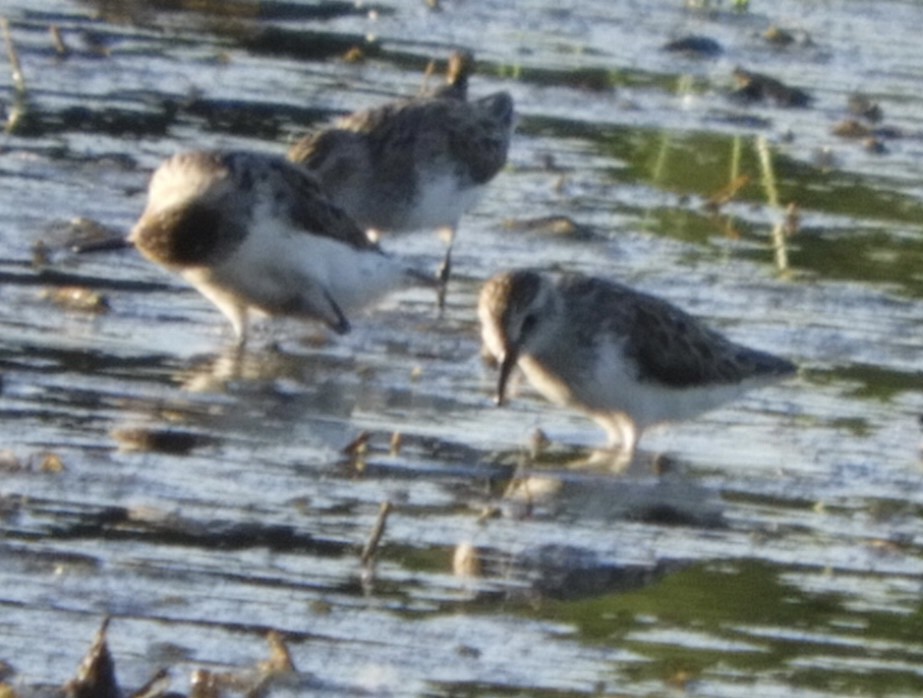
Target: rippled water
(202,498)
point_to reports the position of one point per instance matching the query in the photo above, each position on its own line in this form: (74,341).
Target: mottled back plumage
(377,163)
(201,202)
(626,358)
(253,231)
(415,163)
(668,345)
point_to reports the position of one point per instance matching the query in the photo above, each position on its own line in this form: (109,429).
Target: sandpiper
(627,359)
(413,164)
(255,232)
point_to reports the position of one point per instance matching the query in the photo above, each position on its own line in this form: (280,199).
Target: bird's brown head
(191,218)
(508,309)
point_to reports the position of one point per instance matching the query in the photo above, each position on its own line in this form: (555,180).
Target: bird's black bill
(507,364)
(338,323)
(442,276)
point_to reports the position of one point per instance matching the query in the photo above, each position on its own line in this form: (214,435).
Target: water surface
(778,553)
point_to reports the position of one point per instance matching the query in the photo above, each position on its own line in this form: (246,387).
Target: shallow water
(779,551)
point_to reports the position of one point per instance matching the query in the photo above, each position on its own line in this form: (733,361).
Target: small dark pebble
(693,45)
(172,441)
(875,146)
(468,651)
(742,120)
(862,106)
(851,128)
(84,235)
(778,36)
(754,87)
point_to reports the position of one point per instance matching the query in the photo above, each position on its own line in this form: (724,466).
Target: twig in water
(427,74)
(357,449)
(371,546)
(57,40)
(792,219)
(357,446)
(280,659)
(772,196)
(19,110)
(726,194)
(467,561)
(397,442)
(19,80)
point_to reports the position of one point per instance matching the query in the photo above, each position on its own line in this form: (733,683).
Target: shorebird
(628,360)
(253,232)
(413,164)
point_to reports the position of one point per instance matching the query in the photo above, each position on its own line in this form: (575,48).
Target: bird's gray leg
(445,270)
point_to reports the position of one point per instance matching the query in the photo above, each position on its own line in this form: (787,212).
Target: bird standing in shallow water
(627,359)
(413,164)
(255,232)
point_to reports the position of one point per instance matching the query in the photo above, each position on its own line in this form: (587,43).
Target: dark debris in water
(61,521)
(556,226)
(240,9)
(307,45)
(266,120)
(81,235)
(781,38)
(55,277)
(250,682)
(96,676)
(114,121)
(694,45)
(172,441)
(111,120)
(77,298)
(864,125)
(220,535)
(864,107)
(853,128)
(757,87)
(46,462)
(559,572)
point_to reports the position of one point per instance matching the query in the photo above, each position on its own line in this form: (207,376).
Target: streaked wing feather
(675,349)
(312,212)
(668,345)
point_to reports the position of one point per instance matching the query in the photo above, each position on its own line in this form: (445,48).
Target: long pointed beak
(507,364)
